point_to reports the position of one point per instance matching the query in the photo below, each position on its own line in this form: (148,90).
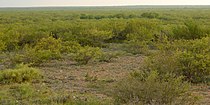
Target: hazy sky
(27,3)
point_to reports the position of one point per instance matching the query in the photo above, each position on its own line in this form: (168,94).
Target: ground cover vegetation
(105,55)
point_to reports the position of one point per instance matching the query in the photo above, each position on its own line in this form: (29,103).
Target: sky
(36,3)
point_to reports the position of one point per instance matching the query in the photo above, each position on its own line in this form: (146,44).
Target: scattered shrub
(26,93)
(140,30)
(23,91)
(50,43)
(136,47)
(21,73)
(195,67)
(85,54)
(163,62)
(2,43)
(46,49)
(90,78)
(31,94)
(2,46)
(10,41)
(150,88)
(107,56)
(150,15)
(190,30)
(190,58)
(70,47)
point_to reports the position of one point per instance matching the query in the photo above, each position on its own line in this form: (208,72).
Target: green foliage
(2,46)
(190,30)
(21,73)
(190,58)
(10,40)
(17,36)
(141,30)
(196,67)
(137,47)
(150,15)
(85,54)
(27,93)
(70,47)
(163,62)
(107,56)
(23,91)
(49,43)
(46,49)
(2,43)
(37,35)
(150,88)
(93,37)
(90,78)
(195,60)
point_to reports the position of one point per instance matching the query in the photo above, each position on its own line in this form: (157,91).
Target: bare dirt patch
(93,78)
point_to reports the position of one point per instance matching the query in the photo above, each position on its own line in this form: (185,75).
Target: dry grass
(65,75)
(73,78)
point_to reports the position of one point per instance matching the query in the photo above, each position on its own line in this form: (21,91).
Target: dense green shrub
(10,40)
(49,43)
(150,88)
(18,36)
(195,59)
(70,47)
(21,73)
(92,37)
(85,54)
(2,46)
(134,29)
(2,43)
(46,49)
(36,57)
(163,62)
(196,67)
(150,15)
(190,58)
(140,29)
(190,30)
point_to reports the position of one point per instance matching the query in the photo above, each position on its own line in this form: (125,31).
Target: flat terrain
(94,78)
(86,55)
(97,79)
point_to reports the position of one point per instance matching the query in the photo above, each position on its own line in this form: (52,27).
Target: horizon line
(41,6)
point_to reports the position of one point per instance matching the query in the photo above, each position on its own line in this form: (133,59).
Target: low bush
(189,58)
(195,67)
(49,43)
(140,30)
(148,88)
(136,47)
(85,54)
(46,49)
(23,91)
(190,30)
(33,94)
(2,45)
(150,15)
(21,73)
(25,94)
(108,56)
(70,47)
